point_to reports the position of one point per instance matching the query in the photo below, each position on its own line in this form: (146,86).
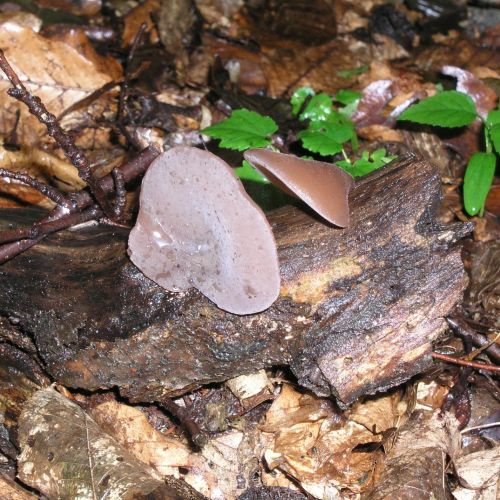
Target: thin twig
(64,140)
(480,427)
(131,170)
(462,362)
(41,229)
(122,103)
(50,192)
(120,193)
(463,330)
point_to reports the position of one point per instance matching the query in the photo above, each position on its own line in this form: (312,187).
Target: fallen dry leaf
(53,70)
(251,389)
(314,445)
(130,427)
(133,20)
(9,490)
(479,475)
(379,414)
(416,463)
(65,455)
(227,464)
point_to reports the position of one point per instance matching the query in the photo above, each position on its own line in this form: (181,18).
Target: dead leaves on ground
(57,72)
(66,455)
(379,448)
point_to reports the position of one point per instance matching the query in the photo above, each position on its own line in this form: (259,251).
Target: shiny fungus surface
(197,227)
(323,186)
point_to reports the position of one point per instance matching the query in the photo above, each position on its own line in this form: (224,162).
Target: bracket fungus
(323,186)
(197,227)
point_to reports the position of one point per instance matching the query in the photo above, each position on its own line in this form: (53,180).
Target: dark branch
(42,228)
(52,193)
(64,140)
(80,201)
(122,103)
(121,193)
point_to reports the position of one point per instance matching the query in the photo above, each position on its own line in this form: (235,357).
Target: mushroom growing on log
(197,227)
(357,312)
(323,186)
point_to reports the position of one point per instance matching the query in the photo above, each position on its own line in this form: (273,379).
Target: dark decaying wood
(357,313)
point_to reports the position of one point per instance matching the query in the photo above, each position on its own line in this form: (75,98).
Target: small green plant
(328,127)
(455,109)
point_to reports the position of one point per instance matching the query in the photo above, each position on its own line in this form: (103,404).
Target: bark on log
(357,312)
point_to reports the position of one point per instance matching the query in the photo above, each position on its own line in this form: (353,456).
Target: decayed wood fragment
(357,311)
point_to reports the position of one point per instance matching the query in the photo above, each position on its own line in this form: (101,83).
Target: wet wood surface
(358,308)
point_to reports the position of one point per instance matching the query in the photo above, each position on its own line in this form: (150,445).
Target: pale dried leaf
(479,472)
(315,446)
(415,463)
(65,455)
(227,464)
(378,414)
(293,407)
(53,70)
(9,490)
(130,427)
(431,395)
(246,386)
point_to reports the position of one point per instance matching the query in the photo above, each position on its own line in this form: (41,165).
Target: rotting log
(358,308)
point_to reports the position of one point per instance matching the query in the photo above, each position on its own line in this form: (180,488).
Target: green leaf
(326,138)
(346,97)
(244,129)
(367,163)
(319,108)
(446,109)
(348,73)
(493,118)
(247,173)
(299,97)
(477,181)
(494,132)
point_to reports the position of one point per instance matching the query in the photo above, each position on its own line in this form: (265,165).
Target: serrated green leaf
(494,132)
(244,129)
(346,97)
(367,163)
(446,109)
(247,173)
(379,154)
(326,138)
(344,164)
(299,97)
(477,181)
(319,108)
(348,73)
(493,118)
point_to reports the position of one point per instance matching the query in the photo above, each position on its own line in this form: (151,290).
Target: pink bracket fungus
(323,186)
(197,227)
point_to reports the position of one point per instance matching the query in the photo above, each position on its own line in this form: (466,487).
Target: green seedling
(327,128)
(453,109)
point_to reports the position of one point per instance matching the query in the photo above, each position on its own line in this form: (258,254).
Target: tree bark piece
(357,312)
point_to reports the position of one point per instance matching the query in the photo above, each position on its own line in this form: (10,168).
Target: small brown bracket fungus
(197,227)
(323,186)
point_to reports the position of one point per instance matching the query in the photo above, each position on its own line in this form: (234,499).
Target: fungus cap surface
(197,227)
(323,186)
